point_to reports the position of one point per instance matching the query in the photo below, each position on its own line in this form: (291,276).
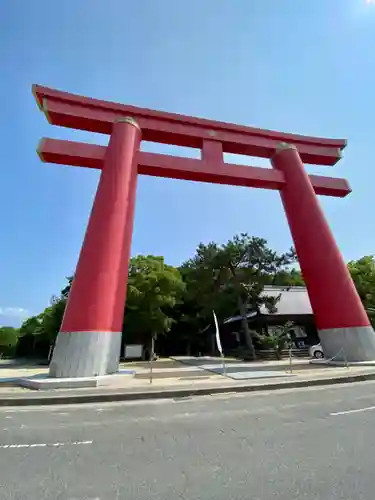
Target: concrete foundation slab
(44,382)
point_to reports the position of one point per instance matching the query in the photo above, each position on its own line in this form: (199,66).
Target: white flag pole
(218,342)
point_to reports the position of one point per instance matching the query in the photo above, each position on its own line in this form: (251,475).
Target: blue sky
(297,66)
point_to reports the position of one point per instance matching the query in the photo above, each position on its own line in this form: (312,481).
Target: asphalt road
(292,444)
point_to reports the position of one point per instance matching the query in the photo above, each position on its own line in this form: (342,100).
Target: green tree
(194,313)
(40,332)
(235,274)
(286,277)
(204,276)
(363,275)
(8,339)
(50,320)
(29,326)
(154,289)
(65,291)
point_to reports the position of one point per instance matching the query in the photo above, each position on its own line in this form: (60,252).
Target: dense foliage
(175,304)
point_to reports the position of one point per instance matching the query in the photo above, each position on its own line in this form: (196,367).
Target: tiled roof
(293,300)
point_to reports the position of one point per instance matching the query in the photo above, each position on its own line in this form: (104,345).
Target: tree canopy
(234,274)
(177,302)
(8,339)
(363,274)
(154,289)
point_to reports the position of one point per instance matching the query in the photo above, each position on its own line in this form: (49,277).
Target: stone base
(85,354)
(348,344)
(45,383)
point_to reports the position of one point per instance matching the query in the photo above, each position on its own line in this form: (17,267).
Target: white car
(316,351)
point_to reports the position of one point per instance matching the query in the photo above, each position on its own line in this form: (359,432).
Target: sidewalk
(173,380)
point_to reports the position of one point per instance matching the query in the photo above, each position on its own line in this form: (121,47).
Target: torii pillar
(89,340)
(343,325)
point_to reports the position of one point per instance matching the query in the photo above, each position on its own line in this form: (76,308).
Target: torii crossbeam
(90,337)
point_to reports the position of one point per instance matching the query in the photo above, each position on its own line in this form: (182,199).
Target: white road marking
(43,445)
(347,412)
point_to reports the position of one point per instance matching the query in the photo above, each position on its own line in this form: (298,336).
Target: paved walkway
(185,371)
(189,375)
(176,379)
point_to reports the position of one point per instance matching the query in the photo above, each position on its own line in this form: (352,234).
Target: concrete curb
(105,397)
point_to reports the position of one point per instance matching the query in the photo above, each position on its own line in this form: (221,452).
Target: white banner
(218,343)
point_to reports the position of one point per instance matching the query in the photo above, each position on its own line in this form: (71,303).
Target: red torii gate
(90,337)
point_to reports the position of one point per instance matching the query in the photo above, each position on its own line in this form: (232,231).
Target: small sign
(133,351)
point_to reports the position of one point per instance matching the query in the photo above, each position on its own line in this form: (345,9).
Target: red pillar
(96,302)
(333,296)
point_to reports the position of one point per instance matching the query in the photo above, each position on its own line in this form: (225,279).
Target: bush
(276,340)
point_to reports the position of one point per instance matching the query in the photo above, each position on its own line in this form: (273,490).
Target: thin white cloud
(14,312)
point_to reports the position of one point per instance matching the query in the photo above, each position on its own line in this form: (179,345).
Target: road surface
(292,444)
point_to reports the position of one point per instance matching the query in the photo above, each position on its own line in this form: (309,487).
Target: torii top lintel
(78,112)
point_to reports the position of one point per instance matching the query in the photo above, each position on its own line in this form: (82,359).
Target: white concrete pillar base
(348,344)
(85,354)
